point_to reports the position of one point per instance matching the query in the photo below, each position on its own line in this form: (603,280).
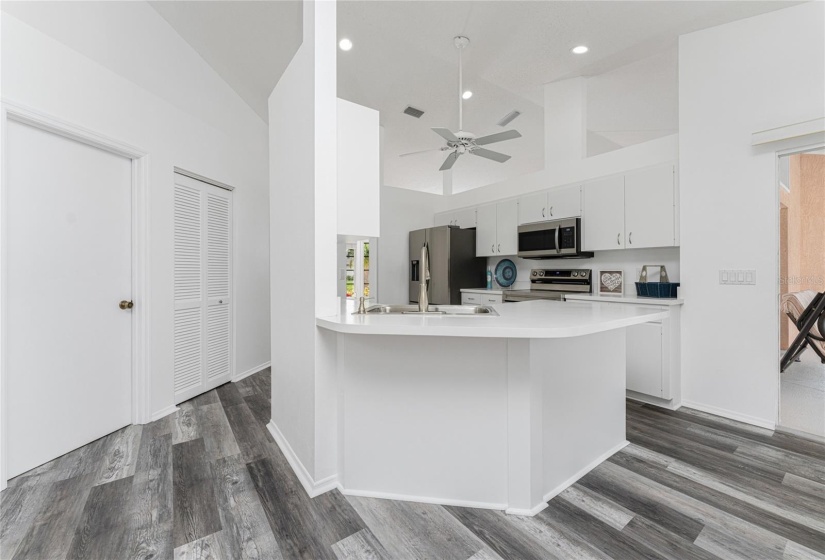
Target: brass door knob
(126,304)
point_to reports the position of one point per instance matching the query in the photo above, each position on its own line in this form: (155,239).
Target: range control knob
(575,274)
(541,273)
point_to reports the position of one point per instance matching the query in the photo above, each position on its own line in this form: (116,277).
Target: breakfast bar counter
(494,411)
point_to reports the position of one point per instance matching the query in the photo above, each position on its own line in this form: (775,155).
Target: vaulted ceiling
(403,55)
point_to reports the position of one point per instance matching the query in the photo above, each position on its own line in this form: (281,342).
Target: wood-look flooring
(209,482)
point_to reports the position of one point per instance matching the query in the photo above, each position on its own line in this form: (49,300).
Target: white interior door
(67,267)
(203,287)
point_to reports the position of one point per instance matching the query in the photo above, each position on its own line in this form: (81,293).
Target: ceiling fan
(463,142)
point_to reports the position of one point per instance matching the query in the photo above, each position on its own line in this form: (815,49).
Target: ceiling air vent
(413,112)
(508,118)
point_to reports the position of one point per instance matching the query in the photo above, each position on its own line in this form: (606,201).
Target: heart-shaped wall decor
(611,280)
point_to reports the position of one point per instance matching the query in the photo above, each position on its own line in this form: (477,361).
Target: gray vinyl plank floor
(209,482)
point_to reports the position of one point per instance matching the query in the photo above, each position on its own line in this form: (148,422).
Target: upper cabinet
(633,211)
(650,207)
(359,175)
(555,204)
(603,222)
(464,219)
(497,229)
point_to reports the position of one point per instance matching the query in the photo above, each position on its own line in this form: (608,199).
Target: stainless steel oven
(551,240)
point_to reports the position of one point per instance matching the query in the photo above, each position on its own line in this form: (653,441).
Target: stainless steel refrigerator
(453,263)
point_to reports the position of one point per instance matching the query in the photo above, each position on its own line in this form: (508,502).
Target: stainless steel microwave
(551,240)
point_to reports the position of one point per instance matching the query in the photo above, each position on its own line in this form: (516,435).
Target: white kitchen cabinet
(471,298)
(464,219)
(486,231)
(443,219)
(507,228)
(645,358)
(497,229)
(555,204)
(481,297)
(564,202)
(633,211)
(603,221)
(649,208)
(532,208)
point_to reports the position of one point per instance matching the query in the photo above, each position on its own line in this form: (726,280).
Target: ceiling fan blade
(424,151)
(449,162)
(497,137)
(490,154)
(446,134)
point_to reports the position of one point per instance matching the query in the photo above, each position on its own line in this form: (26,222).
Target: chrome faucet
(423,299)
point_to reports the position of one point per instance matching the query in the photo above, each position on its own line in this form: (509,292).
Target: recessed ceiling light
(345,44)
(581,49)
(467,94)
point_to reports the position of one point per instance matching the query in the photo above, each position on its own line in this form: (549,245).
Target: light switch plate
(738,277)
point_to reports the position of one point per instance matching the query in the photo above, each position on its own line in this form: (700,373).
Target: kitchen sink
(443,310)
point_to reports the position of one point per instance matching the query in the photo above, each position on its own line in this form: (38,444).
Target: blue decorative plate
(505,273)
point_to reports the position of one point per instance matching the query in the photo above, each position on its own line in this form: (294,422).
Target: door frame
(786,148)
(140,366)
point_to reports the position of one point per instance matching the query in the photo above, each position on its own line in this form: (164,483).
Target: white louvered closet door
(203,287)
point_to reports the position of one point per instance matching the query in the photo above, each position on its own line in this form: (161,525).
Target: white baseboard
(670,404)
(731,415)
(589,467)
(526,512)
(249,372)
(311,487)
(163,412)
(421,499)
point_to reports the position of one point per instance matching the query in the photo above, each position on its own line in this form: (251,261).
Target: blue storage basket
(663,289)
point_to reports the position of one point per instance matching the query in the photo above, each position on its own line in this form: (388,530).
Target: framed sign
(611,282)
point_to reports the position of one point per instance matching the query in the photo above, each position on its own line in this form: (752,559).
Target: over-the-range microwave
(557,239)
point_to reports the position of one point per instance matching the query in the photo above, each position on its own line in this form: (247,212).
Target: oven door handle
(558,249)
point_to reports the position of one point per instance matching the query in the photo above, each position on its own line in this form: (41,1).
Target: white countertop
(525,319)
(625,299)
(494,291)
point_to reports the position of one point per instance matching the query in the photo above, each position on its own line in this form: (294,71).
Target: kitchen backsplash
(630,261)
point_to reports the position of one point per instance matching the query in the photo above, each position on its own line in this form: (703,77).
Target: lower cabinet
(646,364)
(480,298)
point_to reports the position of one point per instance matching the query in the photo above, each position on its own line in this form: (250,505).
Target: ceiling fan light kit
(463,142)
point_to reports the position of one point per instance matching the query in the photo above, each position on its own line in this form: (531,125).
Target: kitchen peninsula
(499,412)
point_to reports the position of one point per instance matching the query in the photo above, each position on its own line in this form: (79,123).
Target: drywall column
(303,239)
(565,120)
(728,89)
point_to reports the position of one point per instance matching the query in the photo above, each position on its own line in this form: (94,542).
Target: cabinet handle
(493,248)
(499,247)
(542,212)
(551,211)
(630,238)
(618,239)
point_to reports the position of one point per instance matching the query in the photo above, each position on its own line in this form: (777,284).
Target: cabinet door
(532,208)
(565,202)
(650,219)
(645,352)
(486,231)
(603,219)
(443,219)
(465,219)
(507,228)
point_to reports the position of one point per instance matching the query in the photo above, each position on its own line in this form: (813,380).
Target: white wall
(728,89)
(359,170)
(630,261)
(557,174)
(303,241)
(402,211)
(45,75)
